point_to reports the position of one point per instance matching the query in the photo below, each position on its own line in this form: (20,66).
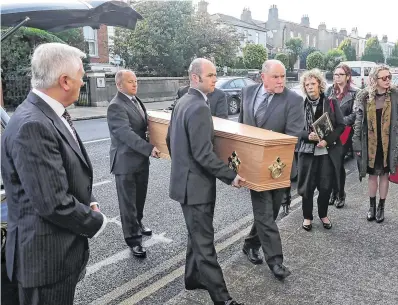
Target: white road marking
(102,182)
(115,221)
(125,254)
(96,141)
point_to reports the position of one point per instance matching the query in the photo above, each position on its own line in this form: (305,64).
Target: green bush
(254,56)
(284,58)
(315,60)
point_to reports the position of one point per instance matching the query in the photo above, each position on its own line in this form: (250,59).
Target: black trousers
(339,193)
(62,292)
(321,178)
(265,232)
(131,192)
(201,266)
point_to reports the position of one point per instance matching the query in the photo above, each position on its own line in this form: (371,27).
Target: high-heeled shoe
(326,225)
(307,227)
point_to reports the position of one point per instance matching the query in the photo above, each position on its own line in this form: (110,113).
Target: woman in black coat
(319,157)
(344,93)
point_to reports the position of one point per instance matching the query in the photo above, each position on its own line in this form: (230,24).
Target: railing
(84,96)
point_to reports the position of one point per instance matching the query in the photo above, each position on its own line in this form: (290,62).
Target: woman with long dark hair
(375,140)
(344,93)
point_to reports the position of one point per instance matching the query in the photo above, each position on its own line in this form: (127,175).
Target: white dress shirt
(59,109)
(261,97)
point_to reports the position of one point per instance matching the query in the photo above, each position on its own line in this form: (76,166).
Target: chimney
(384,39)
(334,30)
(322,26)
(202,7)
(368,35)
(305,21)
(343,32)
(354,33)
(246,15)
(273,18)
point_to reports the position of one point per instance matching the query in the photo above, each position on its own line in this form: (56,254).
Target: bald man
(194,169)
(271,106)
(129,157)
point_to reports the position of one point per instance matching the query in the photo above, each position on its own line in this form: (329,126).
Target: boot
(372,209)
(340,202)
(380,211)
(333,198)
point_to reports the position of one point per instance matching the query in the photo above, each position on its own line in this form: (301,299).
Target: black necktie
(140,110)
(67,117)
(262,109)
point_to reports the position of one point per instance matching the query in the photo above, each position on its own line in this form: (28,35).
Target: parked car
(232,86)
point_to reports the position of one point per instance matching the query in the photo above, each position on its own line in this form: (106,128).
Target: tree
(333,58)
(373,51)
(315,60)
(303,56)
(254,55)
(74,38)
(171,36)
(284,58)
(295,46)
(393,59)
(348,49)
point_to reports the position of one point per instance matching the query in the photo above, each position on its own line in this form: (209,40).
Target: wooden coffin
(265,157)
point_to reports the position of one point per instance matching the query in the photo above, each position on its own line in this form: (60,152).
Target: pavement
(353,263)
(79,113)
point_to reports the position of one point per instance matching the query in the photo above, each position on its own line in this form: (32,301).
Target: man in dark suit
(194,169)
(129,157)
(217,100)
(48,178)
(270,106)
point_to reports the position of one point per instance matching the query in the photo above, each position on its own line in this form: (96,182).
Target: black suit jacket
(217,100)
(129,150)
(48,180)
(194,165)
(285,113)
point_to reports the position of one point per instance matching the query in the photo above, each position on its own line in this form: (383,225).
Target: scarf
(372,128)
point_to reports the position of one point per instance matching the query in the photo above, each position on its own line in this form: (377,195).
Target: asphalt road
(113,274)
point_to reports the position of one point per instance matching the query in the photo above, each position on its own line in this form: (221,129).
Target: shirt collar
(58,108)
(263,91)
(204,95)
(130,97)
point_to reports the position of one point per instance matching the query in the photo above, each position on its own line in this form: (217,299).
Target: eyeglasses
(339,74)
(384,78)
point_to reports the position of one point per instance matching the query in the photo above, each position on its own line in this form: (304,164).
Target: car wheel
(233,106)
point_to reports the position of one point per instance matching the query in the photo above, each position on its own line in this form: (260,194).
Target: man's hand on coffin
(237,180)
(155,153)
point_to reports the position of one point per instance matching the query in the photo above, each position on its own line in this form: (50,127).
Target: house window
(314,42)
(90,36)
(299,35)
(246,35)
(291,34)
(257,38)
(337,42)
(308,40)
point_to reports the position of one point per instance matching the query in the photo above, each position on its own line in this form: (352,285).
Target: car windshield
(220,83)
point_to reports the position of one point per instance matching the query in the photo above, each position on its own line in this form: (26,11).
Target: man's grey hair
(267,65)
(316,74)
(196,66)
(51,60)
(119,75)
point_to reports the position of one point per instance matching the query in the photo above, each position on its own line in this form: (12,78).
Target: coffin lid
(234,130)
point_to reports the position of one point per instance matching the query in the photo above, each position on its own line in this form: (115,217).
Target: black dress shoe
(286,209)
(138,251)
(144,230)
(307,227)
(333,199)
(280,271)
(327,225)
(253,255)
(340,202)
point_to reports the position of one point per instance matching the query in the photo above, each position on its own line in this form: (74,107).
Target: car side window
(249,81)
(366,71)
(356,71)
(230,85)
(239,83)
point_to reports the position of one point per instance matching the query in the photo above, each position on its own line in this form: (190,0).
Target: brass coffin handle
(276,168)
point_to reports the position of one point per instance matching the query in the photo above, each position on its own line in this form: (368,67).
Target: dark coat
(130,150)
(194,164)
(360,138)
(217,100)
(48,179)
(334,147)
(346,104)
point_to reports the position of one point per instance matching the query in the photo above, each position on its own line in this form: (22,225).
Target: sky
(368,17)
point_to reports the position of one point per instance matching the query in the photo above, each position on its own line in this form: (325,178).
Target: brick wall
(103,48)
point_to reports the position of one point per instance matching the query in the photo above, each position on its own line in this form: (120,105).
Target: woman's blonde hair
(314,73)
(373,76)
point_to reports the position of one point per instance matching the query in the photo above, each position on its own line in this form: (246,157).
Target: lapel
(276,99)
(143,108)
(62,129)
(130,104)
(252,101)
(346,98)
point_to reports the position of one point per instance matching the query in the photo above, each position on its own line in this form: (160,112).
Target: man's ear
(64,82)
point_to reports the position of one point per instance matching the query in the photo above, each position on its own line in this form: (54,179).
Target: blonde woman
(375,136)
